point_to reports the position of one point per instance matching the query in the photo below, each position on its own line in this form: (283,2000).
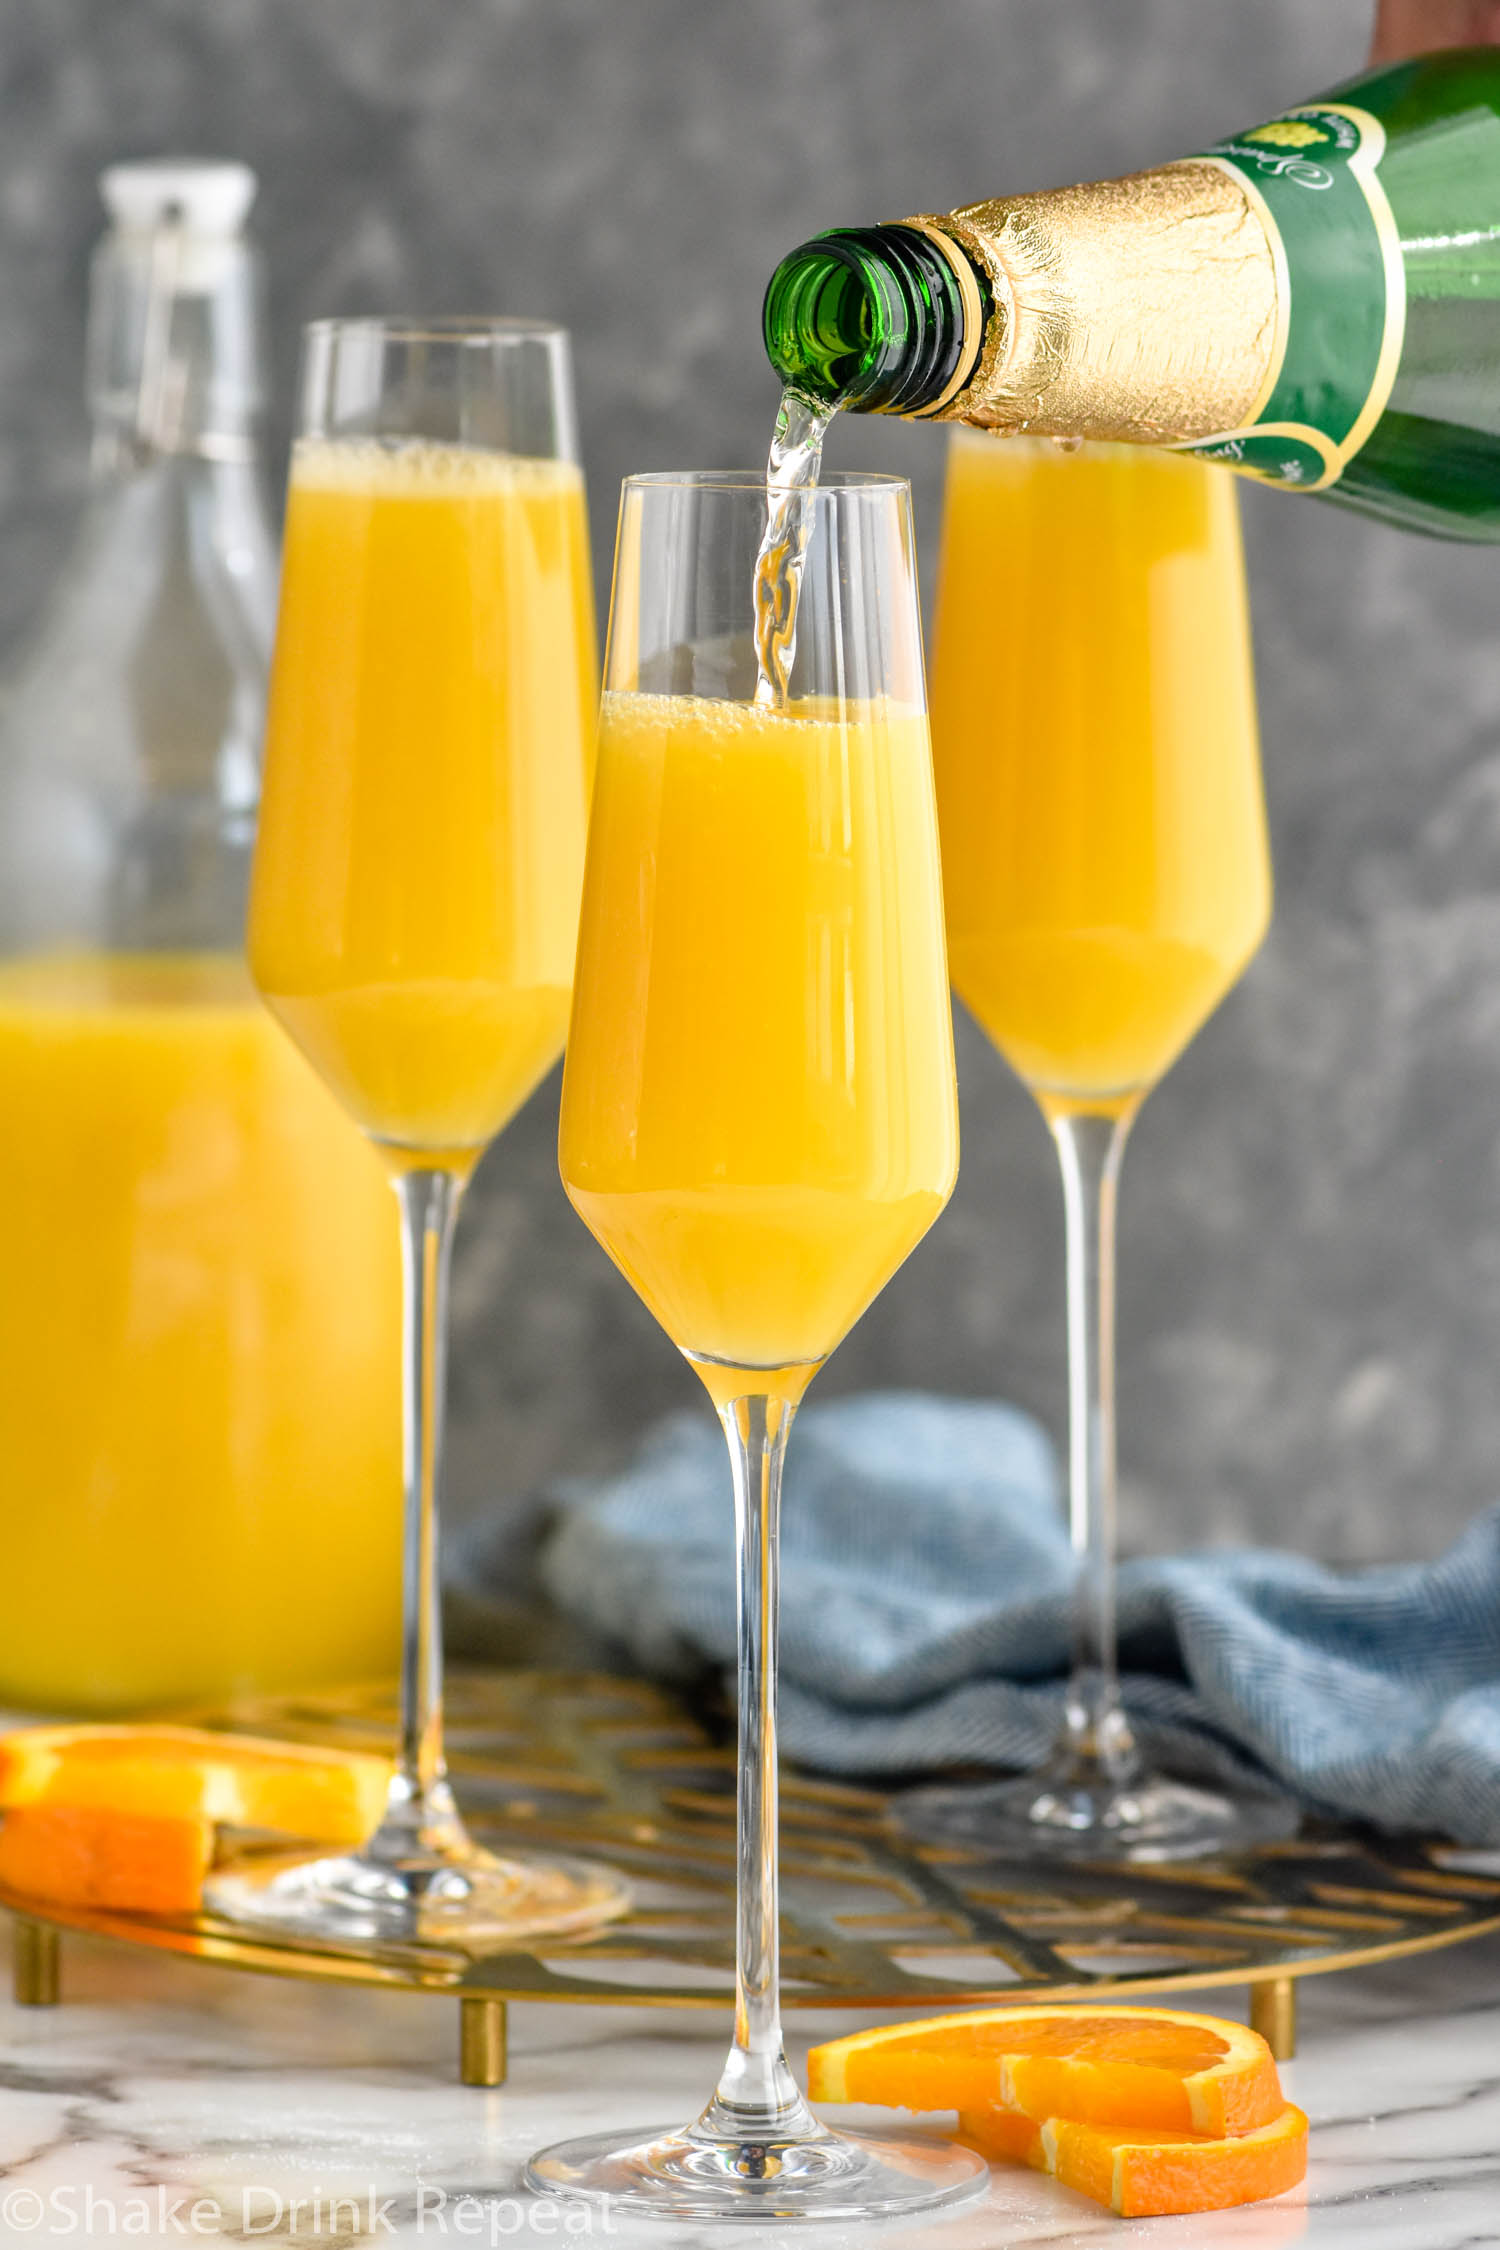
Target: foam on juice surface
(423,468)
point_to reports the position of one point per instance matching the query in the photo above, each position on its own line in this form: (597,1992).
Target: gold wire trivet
(616,1769)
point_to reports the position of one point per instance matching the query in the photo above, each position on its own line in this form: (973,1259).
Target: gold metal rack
(616,1769)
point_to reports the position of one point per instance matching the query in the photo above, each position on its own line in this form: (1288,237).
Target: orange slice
(1157,2070)
(91,1855)
(1148,2175)
(187,1773)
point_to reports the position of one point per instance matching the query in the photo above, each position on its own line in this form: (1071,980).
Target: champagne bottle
(1315,302)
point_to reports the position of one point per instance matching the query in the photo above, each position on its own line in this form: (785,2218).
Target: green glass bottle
(1316,301)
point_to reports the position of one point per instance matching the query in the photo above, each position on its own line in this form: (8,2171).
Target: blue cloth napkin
(925,1618)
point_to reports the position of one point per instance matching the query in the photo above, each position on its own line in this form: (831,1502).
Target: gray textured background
(1311,1225)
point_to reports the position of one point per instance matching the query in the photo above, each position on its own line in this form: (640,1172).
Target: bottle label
(1341,293)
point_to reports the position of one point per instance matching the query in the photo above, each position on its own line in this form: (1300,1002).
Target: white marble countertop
(199,2103)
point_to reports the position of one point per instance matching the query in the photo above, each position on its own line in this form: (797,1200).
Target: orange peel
(191,1773)
(1159,2070)
(94,1856)
(1144,2175)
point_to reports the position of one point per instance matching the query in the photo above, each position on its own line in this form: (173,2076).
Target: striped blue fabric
(925,1618)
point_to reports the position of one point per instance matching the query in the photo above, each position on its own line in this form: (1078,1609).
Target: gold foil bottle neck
(1142,309)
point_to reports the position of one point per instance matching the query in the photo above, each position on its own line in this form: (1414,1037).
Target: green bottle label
(1341,293)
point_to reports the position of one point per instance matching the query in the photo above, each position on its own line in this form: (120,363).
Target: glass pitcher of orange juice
(199,1295)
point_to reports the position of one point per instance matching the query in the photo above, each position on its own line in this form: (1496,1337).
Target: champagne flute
(1108,880)
(413,913)
(759,1121)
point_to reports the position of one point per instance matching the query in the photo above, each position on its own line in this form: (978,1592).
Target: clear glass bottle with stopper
(131,735)
(198,1297)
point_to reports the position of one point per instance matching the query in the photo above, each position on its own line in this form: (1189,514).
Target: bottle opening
(868,318)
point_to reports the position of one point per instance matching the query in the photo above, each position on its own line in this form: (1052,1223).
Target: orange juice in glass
(783,888)
(430,741)
(1098,773)
(413,915)
(759,1122)
(1107,880)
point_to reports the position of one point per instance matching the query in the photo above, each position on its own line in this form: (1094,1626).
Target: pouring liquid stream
(791,479)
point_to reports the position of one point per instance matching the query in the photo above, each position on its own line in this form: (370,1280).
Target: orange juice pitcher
(199,1294)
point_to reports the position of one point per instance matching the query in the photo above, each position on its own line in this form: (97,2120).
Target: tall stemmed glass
(413,914)
(1107,879)
(759,1122)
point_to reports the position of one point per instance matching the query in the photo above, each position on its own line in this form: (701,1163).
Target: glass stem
(757,2098)
(1098,1746)
(420,1813)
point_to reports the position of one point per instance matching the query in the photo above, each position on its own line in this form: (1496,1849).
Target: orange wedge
(1153,2070)
(187,1773)
(91,1855)
(1144,2175)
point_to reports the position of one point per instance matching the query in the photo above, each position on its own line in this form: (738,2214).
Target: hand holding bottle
(1420,27)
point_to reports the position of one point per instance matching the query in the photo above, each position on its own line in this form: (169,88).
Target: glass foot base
(813,2173)
(1150,1819)
(472,1899)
